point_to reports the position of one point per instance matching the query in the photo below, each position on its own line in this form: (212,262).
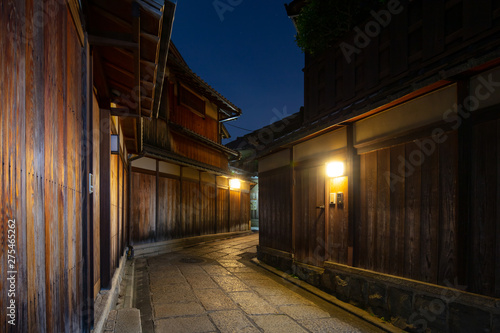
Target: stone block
(357,292)
(496,323)
(465,318)
(328,282)
(400,302)
(308,275)
(342,287)
(429,313)
(377,299)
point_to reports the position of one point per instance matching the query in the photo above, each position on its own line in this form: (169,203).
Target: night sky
(248,55)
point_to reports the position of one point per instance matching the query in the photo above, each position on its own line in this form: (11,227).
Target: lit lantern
(234,183)
(335,169)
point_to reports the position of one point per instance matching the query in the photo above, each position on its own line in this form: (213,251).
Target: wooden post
(464,180)
(157,211)
(87,311)
(105,196)
(117,257)
(293,207)
(136,38)
(181,208)
(228,207)
(129,208)
(216,205)
(352,185)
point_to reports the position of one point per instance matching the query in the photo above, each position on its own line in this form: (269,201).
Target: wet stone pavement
(213,287)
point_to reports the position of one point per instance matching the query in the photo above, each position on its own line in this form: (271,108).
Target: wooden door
(310,215)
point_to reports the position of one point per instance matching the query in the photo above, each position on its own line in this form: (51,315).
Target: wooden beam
(157,200)
(166,31)
(352,184)
(113,42)
(122,112)
(147,83)
(156,13)
(136,33)
(99,80)
(118,69)
(105,197)
(113,18)
(150,37)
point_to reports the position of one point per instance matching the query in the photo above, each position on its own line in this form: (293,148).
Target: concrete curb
(331,299)
(157,248)
(111,297)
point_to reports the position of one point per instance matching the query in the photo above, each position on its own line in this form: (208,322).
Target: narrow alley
(215,287)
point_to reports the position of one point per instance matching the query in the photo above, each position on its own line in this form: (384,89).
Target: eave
(130,41)
(193,135)
(181,70)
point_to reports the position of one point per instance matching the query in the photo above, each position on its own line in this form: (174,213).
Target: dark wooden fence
(483,233)
(177,207)
(275,207)
(410,230)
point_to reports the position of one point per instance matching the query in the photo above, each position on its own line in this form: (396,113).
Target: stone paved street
(214,287)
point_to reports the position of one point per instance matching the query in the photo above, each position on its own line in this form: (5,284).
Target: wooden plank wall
(208,222)
(309,193)
(181,115)
(484,273)
(412,235)
(143,206)
(190,208)
(337,232)
(222,209)
(275,209)
(423,30)
(186,207)
(117,205)
(234,210)
(198,152)
(40,146)
(169,226)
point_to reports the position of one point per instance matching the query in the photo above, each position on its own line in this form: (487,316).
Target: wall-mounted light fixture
(115,144)
(335,169)
(234,183)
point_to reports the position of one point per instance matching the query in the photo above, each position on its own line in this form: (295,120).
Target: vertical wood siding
(309,193)
(169,203)
(222,210)
(275,209)
(186,208)
(207,212)
(234,210)
(143,205)
(484,275)
(41,131)
(337,224)
(412,235)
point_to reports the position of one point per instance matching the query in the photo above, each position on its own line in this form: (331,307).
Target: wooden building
(181,185)
(87,97)
(410,221)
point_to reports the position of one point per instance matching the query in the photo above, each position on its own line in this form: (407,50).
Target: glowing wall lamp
(234,183)
(335,169)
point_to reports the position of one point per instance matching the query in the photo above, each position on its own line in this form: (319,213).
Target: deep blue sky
(250,56)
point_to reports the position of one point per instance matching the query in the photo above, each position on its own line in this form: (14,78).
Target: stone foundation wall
(410,305)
